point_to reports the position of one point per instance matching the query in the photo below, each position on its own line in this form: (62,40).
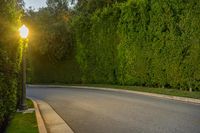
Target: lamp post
(24,34)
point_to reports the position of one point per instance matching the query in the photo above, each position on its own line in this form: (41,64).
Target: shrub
(9,59)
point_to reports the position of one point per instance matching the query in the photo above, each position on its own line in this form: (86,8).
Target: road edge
(182,99)
(40,121)
(52,121)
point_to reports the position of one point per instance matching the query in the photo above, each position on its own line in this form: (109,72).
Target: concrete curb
(53,122)
(183,99)
(40,122)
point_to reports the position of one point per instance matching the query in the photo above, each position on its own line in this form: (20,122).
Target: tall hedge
(97,41)
(141,42)
(10,53)
(128,42)
(51,52)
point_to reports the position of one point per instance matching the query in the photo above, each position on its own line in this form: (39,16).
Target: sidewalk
(48,120)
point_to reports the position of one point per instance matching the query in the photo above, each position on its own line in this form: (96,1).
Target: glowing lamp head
(23,32)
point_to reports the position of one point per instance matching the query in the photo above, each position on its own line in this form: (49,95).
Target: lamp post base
(23,107)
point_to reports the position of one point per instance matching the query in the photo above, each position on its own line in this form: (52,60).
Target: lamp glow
(24,32)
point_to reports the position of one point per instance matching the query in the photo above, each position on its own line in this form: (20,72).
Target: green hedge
(42,70)
(96,42)
(136,42)
(141,42)
(51,53)
(9,59)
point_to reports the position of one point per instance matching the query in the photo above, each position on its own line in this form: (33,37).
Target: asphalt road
(99,111)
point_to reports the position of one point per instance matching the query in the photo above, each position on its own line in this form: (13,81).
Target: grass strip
(165,91)
(23,123)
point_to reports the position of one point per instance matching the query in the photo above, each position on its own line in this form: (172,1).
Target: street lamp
(23,31)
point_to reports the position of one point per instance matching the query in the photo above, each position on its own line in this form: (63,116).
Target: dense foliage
(51,47)
(147,43)
(10,54)
(135,42)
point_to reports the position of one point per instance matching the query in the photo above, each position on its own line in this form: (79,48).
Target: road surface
(100,111)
